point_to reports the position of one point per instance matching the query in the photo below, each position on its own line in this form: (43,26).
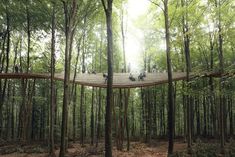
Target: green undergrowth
(210,149)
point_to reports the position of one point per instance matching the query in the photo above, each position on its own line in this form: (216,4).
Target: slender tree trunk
(29,36)
(8,119)
(123,38)
(146,114)
(99,92)
(92,117)
(31,94)
(120,122)
(221,63)
(162,112)
(212,96)
(81,116)
(185,114)
(3,91)
(8,42)
(204,115)
(154,112)
(99,119)
(52,106)
(133,119)
(14,91)
(231,119)
(82,90)
(108,116)
(70,15)
(74,91)
(66,84)
(171,120)
(198,116)
(115,102)
(127,94)
(188,70)
(74,113)
(142,113)
(23,121)
(84,115)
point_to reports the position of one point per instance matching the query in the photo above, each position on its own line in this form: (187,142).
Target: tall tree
(6,37)
(107,5)
(52,108)
(99,95)
(186,41)
(171,119)
(218,4)
(70,11)
(123,30)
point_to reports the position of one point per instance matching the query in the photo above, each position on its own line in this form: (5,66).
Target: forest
(122,78)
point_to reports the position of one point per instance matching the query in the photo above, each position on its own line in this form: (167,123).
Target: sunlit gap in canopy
(134,36)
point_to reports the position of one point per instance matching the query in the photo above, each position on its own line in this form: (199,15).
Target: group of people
(141,76)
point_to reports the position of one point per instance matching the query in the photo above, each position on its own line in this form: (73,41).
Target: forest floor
(137,149)
(158,148)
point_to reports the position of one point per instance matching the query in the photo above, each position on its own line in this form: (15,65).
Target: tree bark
(108,116)
(92,116)
(123,38)
(81,116)
(171,122)
(127,95)
(99,119)
(74,91)
(221,63)
(188,70)
(70,18)
(52,106)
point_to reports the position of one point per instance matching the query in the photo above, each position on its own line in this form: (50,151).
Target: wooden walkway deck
(120,80)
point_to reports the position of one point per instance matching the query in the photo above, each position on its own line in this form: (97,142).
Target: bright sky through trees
(134,36)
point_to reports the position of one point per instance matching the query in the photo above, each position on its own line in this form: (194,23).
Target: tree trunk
(188,70)
(29,36)
(99,95)
(123,38)
(82,90)
(108,116)
(231,119)
(212,96)
(154,112)
(52,106)
(3,91)
(120,135)
(99,119)
(92,117)
(133,119)
(171,122)
(221,63)
(127,94)
(142,113)
(74,113)
(74,91)
(70,19)
(81,116)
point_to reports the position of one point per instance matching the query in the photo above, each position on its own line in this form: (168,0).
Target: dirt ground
(137,149)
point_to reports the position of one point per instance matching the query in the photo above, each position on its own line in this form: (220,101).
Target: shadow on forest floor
(137,149)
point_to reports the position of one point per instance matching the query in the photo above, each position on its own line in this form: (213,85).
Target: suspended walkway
(120,80)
